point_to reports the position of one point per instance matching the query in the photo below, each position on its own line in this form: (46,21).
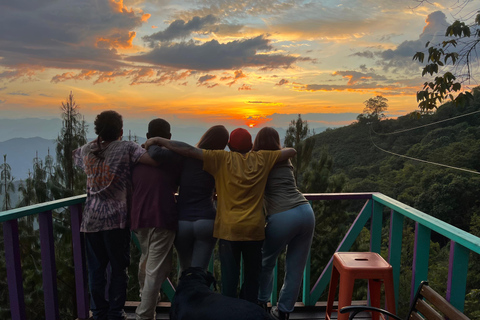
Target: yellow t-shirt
(240,182)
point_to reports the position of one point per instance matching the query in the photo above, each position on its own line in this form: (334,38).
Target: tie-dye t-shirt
(109,186)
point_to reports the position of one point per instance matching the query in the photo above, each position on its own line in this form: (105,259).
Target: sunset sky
(240,63)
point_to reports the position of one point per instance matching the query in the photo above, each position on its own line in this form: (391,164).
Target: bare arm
(287,153)
(177,146)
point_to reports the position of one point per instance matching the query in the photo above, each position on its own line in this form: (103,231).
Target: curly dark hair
(108,125)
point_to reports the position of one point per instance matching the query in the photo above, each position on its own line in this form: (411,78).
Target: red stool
(349,266)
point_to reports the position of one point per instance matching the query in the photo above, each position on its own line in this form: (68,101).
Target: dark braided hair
(108,127)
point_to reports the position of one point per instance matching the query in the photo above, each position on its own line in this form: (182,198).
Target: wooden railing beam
(14,270)
(81,280)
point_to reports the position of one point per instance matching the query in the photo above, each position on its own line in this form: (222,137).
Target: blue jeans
(291,229)
(230,255)
(102,248)
(194,243)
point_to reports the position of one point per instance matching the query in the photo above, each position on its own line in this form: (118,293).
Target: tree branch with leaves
(458,53)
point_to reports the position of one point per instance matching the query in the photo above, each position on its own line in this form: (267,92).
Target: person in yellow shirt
(240,179)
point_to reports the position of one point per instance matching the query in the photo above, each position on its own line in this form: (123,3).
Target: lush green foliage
(444,86)
(451,195)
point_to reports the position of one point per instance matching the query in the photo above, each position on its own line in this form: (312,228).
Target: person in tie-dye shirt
(108,163)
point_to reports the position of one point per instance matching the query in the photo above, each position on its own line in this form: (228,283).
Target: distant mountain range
(21,152)
(24,139)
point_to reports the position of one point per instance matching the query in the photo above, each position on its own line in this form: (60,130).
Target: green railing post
(395,250)
(347,242)
(457,275)
(306,282)
(274,296)
(420,257)
(376,227)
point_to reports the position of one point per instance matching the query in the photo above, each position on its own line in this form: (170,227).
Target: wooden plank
(442,304)
(427,311)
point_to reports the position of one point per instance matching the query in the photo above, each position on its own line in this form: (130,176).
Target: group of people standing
(258,212)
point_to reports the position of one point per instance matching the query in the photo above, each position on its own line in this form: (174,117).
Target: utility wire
(425,125)
(424,161)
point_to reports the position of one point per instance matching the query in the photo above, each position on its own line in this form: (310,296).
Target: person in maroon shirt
(154,219)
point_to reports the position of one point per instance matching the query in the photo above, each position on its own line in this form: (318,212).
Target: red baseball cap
(240,140)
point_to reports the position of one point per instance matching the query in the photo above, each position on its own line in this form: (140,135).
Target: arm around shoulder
(177,146)
(286,153)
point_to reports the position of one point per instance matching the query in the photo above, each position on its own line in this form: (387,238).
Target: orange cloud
(83,75)
(145,17)
(245,87)
(117,40)
(20,71)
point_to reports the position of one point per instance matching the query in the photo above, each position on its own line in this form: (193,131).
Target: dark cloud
(213,55)
(401,56)
(181,29)
(207,77)
(260,102)
(3,88)
(364,54)
(355,76)
(64,34)
(282,82)
(18,93)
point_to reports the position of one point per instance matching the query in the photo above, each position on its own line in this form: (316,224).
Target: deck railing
(461,244)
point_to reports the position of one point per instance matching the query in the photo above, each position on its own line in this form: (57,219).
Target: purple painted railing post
(49,269)
(14,270)
(81,283)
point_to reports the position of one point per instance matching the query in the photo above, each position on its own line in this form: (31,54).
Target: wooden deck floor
(301,312)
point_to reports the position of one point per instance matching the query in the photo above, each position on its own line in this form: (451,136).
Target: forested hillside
(450,136)
(378,156)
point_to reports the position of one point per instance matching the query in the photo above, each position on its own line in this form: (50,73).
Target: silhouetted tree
(6,185)
(374,110)
(298,136)
(72,136)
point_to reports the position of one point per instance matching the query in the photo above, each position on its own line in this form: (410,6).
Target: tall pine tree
(72,136)
(299,137)
(6,185)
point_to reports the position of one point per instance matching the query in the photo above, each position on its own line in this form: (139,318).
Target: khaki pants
(154,266)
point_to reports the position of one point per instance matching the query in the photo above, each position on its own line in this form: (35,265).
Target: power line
(425,125)
(424,161)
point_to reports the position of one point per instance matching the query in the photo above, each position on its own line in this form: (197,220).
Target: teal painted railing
(462,244)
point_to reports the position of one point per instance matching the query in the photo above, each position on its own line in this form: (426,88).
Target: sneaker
(280,315)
